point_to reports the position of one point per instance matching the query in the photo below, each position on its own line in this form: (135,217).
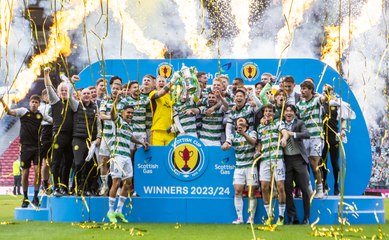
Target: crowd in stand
(82,141)
(380,152)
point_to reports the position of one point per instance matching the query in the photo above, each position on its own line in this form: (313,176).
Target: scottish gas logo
(186,160)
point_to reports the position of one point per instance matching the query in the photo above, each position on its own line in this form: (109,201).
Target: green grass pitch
(11,229)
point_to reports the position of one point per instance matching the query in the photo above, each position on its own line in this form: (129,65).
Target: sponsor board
(184,168)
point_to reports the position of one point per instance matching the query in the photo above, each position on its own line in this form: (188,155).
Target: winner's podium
(187,182)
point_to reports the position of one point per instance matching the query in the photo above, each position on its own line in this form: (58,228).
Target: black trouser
(80,151)
(17,184)
(62,158)
(18,180)
(85,173)
(296,169)
(334,155)
(46,141)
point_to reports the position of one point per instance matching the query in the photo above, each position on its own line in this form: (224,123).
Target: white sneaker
(250,220)
(238,221)
(319,195)
(103,191)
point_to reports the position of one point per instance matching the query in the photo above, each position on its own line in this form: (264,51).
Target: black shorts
(28,154)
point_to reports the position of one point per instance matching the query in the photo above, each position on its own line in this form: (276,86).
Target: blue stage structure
(357,209)
(187,182)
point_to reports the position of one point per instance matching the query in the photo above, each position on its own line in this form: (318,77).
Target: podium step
(357,210)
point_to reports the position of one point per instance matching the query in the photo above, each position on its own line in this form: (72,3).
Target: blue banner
(185,168)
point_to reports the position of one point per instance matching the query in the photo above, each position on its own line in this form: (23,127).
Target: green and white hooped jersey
(149,114)
(122,141)
(244,151)
(269,135)
(138,122)
(309,112)
(247,112)
(188,122)
(212,126)
(108,125)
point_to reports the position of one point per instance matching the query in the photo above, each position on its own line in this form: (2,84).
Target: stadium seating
(6,161)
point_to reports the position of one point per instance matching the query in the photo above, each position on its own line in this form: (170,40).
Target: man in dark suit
(296,162)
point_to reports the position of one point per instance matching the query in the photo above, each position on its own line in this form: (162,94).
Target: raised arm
(52,95)
(72,101)
(257,101)
(161,92)
(9,111)
(262,95)
(223,101)
(114,114)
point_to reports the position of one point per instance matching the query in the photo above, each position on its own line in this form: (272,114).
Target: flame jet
(342,35)
(58,43)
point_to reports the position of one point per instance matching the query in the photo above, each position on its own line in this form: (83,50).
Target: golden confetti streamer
(7,223)
(110,226)
(268,228)
(6,14)
(177,226)
(334,232)
(187,9)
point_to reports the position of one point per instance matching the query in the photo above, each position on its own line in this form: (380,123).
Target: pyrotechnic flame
(293,12)
(188,14)
(58,43)
(339,37)
(133,34)
(241,10)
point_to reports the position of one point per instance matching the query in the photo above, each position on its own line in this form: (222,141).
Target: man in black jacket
(61,155)
(296,162)
(30,124)
(86,129)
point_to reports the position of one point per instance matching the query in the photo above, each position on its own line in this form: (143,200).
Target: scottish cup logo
(186,158)
(165,70)
(250,71)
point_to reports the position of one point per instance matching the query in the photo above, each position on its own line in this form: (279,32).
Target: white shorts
(314,146)
(104,150)
(242,176)
(121,167)
(265,173)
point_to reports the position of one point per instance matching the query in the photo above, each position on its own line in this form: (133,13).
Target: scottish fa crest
(186,159)
(165,70)
(250,71)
